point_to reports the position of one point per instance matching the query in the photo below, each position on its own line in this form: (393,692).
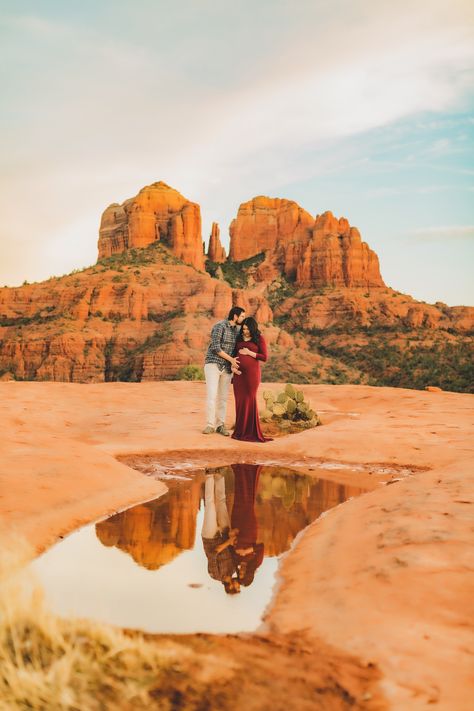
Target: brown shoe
(222,430)
(208,430)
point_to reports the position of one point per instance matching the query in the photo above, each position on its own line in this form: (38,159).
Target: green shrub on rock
(190,372)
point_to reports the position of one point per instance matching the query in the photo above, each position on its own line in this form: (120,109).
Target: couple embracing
(236,349)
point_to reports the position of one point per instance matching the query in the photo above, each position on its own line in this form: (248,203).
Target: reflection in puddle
(166,566)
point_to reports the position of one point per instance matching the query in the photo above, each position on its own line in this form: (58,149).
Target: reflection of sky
(362,107)
(81,577)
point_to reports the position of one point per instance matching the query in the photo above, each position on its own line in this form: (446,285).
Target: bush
(384,362)
(235,273)
(190,372)
(279,291)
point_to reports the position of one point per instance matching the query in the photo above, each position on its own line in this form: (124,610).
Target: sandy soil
(385,581)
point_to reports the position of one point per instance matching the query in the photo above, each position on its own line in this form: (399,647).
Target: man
(218,369)
(217,537)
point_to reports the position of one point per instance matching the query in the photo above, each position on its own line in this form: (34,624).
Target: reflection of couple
(234,355)
(231,544)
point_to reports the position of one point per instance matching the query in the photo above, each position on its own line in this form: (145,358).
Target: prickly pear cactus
(279,409)
(289,408)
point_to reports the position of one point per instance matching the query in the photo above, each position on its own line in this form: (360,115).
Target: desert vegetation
(49,663)
(412,362)
(235,273)
(289,409)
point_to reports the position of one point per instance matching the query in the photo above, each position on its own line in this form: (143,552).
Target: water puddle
(201,558)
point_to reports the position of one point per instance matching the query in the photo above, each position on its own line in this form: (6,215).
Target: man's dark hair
(235,311)
(252,326)
(229,587)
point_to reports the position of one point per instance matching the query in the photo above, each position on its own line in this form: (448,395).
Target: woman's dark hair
(235,311)
(252,326)
(253,561)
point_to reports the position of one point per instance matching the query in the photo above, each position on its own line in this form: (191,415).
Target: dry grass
(50,663)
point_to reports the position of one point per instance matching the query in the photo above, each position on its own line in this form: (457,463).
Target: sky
(361,107)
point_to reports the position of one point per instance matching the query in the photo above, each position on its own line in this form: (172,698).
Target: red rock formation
(216,252)
(288,503)
(321,252)
(336,256)
(153,319)
(156,532)
(157,213)
(264,223)
(145,316)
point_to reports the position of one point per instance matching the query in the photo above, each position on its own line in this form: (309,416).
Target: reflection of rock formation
(287,502)
(156,532)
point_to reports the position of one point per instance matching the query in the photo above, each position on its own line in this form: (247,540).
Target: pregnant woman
(248,554)
(250,349)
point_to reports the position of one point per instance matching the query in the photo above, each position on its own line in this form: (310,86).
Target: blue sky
(363,108)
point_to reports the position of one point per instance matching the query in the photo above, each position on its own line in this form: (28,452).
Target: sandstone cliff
(313,252)
(138,315)
(216,252)
(265,224)
(157,213)
(313,285)
(155,533)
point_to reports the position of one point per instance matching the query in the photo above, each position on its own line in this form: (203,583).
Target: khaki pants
(217,386)
(216,516)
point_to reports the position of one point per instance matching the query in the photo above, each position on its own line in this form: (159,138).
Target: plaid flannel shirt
(219,565)
(223,338)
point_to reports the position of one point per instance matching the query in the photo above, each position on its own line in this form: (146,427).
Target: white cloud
(444,232)
(96,115)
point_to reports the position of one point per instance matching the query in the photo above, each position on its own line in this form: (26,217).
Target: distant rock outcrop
(316,292)
(216,252)
(313,252)
(336,256)
(157,213)
(265,224)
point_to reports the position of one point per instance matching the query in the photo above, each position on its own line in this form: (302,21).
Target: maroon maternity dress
(247,424)
(244,517)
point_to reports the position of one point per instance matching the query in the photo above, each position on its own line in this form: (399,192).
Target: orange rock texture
(216,252)
(314,252)
(286,503)
(145,311)
(157,213)
(156,532)
(265,224)
(149,319)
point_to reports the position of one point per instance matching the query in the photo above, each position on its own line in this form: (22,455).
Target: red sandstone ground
(375,603)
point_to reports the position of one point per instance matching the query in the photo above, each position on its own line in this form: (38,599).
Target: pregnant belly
(246,363)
